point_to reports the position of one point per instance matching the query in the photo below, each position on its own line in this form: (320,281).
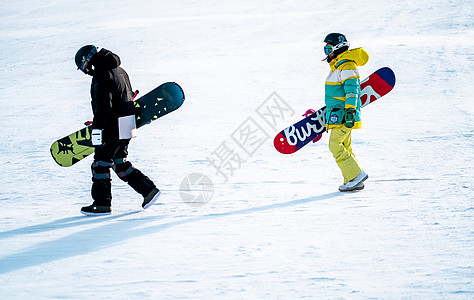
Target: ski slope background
(276,227)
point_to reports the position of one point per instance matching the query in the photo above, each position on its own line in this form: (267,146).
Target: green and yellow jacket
(343,87)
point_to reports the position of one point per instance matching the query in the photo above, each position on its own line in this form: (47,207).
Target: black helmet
(335,39)
(84,56)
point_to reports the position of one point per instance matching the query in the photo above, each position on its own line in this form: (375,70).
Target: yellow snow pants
(341,148)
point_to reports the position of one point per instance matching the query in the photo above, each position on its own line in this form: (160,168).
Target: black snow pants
(113,154)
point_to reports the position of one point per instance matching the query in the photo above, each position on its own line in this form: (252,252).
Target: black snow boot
(96,210)
(151,198)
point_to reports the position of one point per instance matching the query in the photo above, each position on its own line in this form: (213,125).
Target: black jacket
(111,93)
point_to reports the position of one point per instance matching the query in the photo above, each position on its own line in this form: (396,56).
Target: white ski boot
(355,184)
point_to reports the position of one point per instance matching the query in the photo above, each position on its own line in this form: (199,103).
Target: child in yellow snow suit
(343,106)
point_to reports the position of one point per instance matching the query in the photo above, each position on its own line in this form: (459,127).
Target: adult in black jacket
(112,98)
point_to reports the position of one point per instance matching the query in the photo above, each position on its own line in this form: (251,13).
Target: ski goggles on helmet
(330,49)
(87,59)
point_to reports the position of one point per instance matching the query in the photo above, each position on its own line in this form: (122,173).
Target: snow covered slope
(275,226)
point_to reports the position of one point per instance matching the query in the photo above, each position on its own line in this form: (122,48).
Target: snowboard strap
(135,94)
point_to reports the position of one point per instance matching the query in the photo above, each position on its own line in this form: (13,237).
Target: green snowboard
(157,103)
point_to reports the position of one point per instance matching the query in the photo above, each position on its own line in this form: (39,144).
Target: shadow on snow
(107,235)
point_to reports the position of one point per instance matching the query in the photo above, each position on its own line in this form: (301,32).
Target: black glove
(349,117)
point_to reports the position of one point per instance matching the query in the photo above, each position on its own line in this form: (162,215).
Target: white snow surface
(277,228)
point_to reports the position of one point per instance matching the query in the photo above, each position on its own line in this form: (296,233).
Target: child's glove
(349,117)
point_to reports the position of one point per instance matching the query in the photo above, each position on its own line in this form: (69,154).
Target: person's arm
(102,95)
(102,104)
(351,84)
